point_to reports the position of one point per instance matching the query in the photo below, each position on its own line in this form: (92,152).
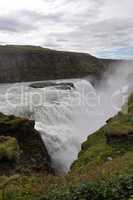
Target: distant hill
(31,63)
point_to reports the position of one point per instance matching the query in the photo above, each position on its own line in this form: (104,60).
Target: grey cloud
(25,20)
(88,15)
(107,34)
(51,45)
(28,20)
(10,24)
(111,32)
(77,16)
(72,24)
(90,33)
(41,17)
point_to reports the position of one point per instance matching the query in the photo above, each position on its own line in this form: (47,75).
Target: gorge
(66,132)
(63,116)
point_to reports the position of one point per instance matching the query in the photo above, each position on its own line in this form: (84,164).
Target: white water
(65,117)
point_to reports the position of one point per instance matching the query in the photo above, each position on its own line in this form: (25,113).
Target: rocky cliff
(21,147)
(28,63)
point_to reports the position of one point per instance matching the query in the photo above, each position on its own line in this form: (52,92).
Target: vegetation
(30,63)
(9,148)
(11,121)
(4,184)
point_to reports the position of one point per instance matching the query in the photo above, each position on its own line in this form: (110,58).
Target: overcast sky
(100,27)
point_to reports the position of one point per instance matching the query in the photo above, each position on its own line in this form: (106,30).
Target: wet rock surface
(62,86)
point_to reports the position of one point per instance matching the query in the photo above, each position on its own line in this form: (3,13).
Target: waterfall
(65,118)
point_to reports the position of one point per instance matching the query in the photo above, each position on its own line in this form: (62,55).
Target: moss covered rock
(9,148)
(9,155)
(34,156)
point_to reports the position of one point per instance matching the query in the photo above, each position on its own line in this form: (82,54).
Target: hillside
(19,63)
(29,63)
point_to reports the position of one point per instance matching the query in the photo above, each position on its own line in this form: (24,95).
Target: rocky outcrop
(32,154)
(61,86)
(27,63)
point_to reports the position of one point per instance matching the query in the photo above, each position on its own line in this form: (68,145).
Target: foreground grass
(37,188)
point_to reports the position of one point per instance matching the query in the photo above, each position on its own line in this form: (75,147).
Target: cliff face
(21,147)
(27,63)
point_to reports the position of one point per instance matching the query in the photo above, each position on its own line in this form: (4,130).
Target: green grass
(21,48)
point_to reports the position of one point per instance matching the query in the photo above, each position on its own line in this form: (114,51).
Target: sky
(103,28)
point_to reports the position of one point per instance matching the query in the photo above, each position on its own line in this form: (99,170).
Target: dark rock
(120,138)
(62,86)
(9,155)
(34,156)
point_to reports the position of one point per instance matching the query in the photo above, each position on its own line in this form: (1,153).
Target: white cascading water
(65,118)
